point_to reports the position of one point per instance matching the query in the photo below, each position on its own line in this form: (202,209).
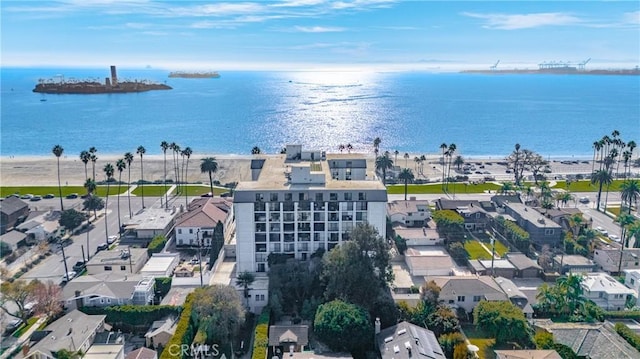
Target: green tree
(504,321)
(187,152)
(57,151)
(244,280)
(210,166)
(443,148)
(449,341)
(164,145)
(68,354)
(449,153)
(450,223)
(93,203)
(458,252)
(120,165)
(219,311)
(344,327)
(543,340)
(443,320)
(94,158)
(90,186)
(630,193)
(601,177)
(108,171)
(407,176)
(458,162)
(19,293)
(430,293)
(128,157)
(85,157)
(141,151)
(71,219)
(383,163)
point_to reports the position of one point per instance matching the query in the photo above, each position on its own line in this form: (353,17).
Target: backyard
(477,251)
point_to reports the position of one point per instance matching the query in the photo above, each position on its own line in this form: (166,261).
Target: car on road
(584,200)
(35,198)
(72,196)
(602,231)
(12,326)
(70,275)
(79,266)
(614,238)
(48,196)
(112,239)
(102,247)
(26,196)
(206,195)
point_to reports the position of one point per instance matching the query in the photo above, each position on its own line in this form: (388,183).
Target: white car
(614,238)
(112,239)
(584,199)
(71,275)
(602,231)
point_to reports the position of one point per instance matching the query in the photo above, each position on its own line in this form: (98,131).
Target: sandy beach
(41,170)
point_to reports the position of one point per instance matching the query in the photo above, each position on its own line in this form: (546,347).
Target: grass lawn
(614,210)
(587,186)
(24,327)
(475,250)
(66,190)
(192,190)
(436,188)
(481,340)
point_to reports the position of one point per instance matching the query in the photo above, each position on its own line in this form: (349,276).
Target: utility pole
(493,256)
(199,254)
(88,229)
(64,259)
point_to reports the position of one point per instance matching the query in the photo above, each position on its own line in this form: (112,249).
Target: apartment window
(461,298)
(273,197)
(548,232)
(348,196)
(179,230)
(302,196)
(451,301)
(477,298)
(123,267)
(259,197)
(288,196)
(190,230)
(107,268)
(333,196)
(632,281)
(319,197)
(362,196)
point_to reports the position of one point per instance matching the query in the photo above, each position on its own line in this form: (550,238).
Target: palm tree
(120,165)
(93,157)
(630,193)
(443,148)
(90,186)
(108,170)
(376,144)
(596,149)
(210,166)
(255,150)
(187,153)
(141,151)
(407,176)
(571,285)
(383,163)
(341,147)
(395,154)
(349,147)
(57,151)
(602,177)
(563,198)
(633,231)
(416,161)
(423,159)
(625,221)
(459,161)
(175,148)
(164,145)
(406,158)
(449,153)
(85,157)
(244,280)
(128,158)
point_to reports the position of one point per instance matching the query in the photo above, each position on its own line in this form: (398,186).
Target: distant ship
(110,85)
(195,75)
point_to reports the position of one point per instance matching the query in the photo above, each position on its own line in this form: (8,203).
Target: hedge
(163,285)
(623,314)
(185,330)
(261,337)
(629,335)
(156,245)
(127,317)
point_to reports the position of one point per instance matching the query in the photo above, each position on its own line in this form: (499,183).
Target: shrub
(156,245)
(127,317)
(185,330)
(261,337)
(629,335)
(163,285)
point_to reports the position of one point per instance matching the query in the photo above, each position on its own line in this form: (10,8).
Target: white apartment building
(303,201)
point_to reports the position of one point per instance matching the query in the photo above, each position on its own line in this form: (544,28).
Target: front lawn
(587,186)
(437,188)
(475,250)
(192,190)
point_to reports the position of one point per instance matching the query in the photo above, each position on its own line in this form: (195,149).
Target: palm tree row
(607,152)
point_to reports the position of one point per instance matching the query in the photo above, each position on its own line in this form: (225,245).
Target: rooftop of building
(532,216)
(205,212)
(521,261)
(496,264)
(160,262)
(121,255)
(150,218)
(405,340)
(602,282)
(527,354)
(573,260)
(406,207)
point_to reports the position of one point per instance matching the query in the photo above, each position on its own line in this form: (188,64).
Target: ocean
(557,116)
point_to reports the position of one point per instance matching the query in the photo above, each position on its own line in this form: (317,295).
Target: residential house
(502,200)
(12,211)
(429,261)
(475,213)
(14,239)
(525,266)
(562,216)
(122,259)
(411,213)
(142,353)
(605,291)
(104,290)
(297,206)
(160,332)
(542,231)
(467,291)
(405,340)
(41,226)
(106,345)
(515,295)
(574,263)
(527,354)
(160,265)
(425,236)
(145,225)
(608,259)
(74,332)
(632,280)
(196,226)
(589,340)
(288,338)
(498,267)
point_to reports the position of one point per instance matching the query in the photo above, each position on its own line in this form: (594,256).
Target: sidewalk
(23,338)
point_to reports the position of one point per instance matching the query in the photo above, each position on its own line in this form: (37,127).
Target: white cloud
(524,21)
(319,29)
(632,18)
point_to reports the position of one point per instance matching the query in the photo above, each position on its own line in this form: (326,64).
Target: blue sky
(317,34)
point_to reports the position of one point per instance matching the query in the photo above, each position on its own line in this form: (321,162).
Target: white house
(632,280)
(412,213)
(609,259)
(467,291)
(105,290)
(196,226)
(605,291)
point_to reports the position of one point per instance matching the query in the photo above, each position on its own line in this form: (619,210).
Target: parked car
(35,198)
(584,199)
(48,196)
(102,247)
(614,238)
(70,276)
(79,266)
(112,239)
(602,231)
(72,196)
(26,196)
(208,194)
(12,326)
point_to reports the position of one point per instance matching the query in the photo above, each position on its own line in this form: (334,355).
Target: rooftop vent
(402,331)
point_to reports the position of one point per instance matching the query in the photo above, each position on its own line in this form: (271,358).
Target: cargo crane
(493,68)
(583,63)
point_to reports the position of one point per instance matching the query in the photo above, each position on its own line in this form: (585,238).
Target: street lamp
(199,254)
(64,259)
